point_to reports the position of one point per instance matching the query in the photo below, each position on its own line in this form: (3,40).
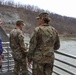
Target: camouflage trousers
(42,69)
(20,66)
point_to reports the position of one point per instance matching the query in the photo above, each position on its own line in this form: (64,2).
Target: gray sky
(61,7)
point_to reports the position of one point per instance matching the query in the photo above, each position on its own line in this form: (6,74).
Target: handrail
(55,72)
(65,62)
(65,70)
(68,55)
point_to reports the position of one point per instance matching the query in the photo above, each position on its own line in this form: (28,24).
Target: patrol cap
(19,22)
(45,17)
(43,14)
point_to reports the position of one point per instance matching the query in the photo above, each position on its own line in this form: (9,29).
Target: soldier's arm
(32,46)
(57,42)
(21,42)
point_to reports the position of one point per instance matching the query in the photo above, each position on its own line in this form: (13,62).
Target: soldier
(18,49)
(43,43)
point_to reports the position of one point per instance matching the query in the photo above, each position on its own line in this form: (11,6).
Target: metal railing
(8,62)
(68,66)
(62,65)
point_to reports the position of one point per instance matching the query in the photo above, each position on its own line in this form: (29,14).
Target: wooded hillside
(11,12)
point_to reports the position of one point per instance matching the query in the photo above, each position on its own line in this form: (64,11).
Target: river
(68,45)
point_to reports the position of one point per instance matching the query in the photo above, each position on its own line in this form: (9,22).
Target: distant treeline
(18,5)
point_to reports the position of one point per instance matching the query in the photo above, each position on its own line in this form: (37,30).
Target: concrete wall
(3,35)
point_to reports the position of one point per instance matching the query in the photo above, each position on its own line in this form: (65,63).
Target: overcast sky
(61,7)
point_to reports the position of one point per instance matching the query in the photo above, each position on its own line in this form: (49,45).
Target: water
(68,45)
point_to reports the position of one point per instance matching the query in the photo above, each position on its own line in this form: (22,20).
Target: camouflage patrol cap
(19,22)
(45,17)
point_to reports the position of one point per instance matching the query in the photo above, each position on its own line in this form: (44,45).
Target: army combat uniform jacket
(17,44)
(43,43)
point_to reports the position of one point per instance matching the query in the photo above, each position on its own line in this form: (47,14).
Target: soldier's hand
(30,64)
(2,55)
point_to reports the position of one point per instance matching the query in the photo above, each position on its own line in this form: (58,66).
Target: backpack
(1,49)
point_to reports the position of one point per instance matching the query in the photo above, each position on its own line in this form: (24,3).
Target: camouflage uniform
(18,51)
(43,43)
